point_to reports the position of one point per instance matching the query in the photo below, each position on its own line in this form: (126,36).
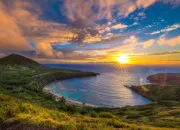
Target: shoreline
(156,88)
(136,89)
(68,101)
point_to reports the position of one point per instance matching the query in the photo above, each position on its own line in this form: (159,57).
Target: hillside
(15,59)
(166,86)
(23,105)
(16,114)
(165,78)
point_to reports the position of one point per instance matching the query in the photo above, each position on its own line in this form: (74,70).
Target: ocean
(107,89)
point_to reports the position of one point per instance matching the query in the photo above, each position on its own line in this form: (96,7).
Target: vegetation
(17,114)
(158,92)
(165,78)
(24,105)
(15,59)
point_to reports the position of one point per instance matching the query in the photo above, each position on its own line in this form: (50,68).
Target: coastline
(68,101)
(164,86)
(138,90)
(165,78)
(142,90)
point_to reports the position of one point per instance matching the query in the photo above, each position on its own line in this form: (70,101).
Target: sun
(123,59)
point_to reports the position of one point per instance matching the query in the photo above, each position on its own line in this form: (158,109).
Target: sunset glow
(89,64)
(62,31)
(123,59)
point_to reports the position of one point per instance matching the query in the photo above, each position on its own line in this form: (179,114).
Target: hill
(166,86)
(165,78)
(24,105)
(15,59)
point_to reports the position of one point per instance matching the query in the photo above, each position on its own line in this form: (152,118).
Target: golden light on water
(123,59)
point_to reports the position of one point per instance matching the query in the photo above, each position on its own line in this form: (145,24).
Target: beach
(68,101)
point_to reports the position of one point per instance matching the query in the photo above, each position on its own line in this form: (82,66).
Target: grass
(17,111)
(157,92)
(161,114)
(165,78)
(22,103)
(27,83)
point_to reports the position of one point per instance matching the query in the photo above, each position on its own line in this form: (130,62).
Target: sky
(80,31)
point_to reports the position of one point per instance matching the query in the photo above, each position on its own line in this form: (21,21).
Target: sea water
(107,89)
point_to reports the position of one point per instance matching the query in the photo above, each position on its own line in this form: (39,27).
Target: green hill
(24,105)
(165,78)
(15,59)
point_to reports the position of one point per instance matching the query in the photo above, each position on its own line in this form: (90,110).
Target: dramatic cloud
(82,29)
(102,9)
(44,49)
(171,42)
(144,3)
(11,37)
(85,18)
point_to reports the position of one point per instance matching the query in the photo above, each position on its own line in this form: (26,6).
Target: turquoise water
(106,89)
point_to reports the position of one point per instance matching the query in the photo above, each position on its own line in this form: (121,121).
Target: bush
(133,116)
(83,111)
(106,115)
(63,100)
(117,124)
(149,112)
(71,108)
(93,114)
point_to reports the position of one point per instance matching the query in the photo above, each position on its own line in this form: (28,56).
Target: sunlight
(123,59)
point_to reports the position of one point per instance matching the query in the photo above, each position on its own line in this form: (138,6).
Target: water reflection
(107,89)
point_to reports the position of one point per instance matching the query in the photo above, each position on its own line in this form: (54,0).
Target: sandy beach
(68,101)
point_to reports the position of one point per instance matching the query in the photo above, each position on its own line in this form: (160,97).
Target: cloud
(171,42)
(27,16)
(172,2)
(174,52)
(44,49)
(89,38)
(167,29)
(148,43)
(144,3)
(83,19)
(119,26)
(104,9)
(142,14)
(131,40)
(11,37)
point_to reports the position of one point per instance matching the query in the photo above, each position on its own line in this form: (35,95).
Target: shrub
(106,115)
(149,112)
(71,108)
(63,100)
(117,124)
(133,116)
(93,114)
(83,111)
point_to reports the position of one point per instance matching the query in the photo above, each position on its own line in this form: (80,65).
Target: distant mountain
(15,59)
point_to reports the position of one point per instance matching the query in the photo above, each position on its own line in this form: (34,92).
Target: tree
(63,100)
